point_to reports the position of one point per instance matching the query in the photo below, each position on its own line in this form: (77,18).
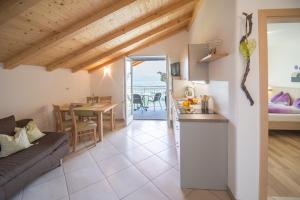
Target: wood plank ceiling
(85,35)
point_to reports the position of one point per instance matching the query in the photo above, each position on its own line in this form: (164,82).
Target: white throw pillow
(33,132)
(13,144)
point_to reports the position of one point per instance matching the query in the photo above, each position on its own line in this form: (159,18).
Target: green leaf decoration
(247,48)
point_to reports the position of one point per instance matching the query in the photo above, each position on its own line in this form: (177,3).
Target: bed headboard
(294,92)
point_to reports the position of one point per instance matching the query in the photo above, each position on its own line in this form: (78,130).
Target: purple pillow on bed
(284,99)
(297,103)
(276,96)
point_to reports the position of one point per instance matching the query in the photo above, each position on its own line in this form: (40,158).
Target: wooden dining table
(98,109)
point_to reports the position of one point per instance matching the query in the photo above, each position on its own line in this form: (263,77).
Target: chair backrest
(58,118)
(93,99)
(157,96)
(73,116)
(137,99)
(105,99)
(81,113)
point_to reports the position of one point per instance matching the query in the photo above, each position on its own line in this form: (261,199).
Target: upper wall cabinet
(192,69)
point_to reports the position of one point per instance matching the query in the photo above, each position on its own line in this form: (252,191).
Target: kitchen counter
(201,118)
(198,117)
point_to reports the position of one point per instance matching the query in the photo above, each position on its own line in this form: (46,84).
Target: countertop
(215,117)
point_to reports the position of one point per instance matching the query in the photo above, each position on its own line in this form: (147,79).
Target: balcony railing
(148,92)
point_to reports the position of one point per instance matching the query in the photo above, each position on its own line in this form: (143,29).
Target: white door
(128,91)
(168,91)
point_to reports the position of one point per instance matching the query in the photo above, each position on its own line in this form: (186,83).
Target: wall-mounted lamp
(107,71)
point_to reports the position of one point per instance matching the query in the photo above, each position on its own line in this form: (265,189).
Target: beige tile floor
(138,162)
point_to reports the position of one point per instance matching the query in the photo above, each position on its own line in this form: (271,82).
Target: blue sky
(146,73)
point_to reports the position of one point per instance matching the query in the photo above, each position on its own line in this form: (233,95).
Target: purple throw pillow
(284,99)
(297,103)
(276,96)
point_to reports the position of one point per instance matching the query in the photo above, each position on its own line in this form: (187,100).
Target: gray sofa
(20,169)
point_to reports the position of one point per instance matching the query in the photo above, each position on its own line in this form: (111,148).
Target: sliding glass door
(128,91)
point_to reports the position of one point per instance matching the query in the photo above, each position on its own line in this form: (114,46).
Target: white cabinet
(176,130)
(203,155)
(191,68)
(202,152)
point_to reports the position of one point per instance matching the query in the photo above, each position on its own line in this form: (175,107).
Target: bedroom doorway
(279,33)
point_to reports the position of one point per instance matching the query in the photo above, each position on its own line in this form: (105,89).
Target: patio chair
(155,99)
(137,102)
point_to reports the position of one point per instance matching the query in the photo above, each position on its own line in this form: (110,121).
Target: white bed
(278,121)
(284,121)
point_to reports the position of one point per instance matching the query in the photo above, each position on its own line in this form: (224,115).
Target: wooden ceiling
(85,34)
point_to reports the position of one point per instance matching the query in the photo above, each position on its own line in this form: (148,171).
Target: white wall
(223,19)
(113,85)
(30,91)
(249,124)
(179,87)
(283,53)
(211,26)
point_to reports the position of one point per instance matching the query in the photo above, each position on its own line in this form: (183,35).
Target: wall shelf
(213,57)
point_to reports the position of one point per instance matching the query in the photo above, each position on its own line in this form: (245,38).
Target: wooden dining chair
(61,125)
(105,99)
(82,128)
(93,99)
(108,100)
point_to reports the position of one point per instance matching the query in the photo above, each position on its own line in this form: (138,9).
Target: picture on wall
(296,74)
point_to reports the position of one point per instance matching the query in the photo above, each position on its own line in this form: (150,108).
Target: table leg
(112,119)
(100,125)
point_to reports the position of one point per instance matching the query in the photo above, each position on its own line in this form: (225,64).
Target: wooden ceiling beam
(145,44)
(136,63)
(120,31)
(67,33)
(12,8)
(195,12)
(176,22)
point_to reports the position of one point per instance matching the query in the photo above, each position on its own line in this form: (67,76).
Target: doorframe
(167,67)
(127,121)
(264,16)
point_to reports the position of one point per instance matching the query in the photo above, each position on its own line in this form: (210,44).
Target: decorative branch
(246,48)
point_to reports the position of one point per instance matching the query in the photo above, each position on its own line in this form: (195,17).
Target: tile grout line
(69,194)
(105,178)
(172,167)
(153,154)
(132,165)
(65,180)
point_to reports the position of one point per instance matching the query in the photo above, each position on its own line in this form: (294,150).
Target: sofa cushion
(7,125)
(23,122)
(33,132)
(13,144)
(17,163)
